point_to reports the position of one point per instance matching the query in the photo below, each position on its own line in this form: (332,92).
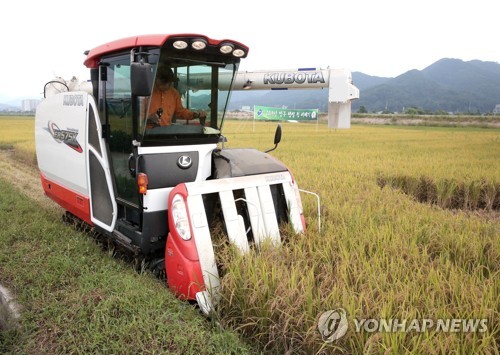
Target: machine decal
(295,77)
(67,136)
(184,162)
(73,100)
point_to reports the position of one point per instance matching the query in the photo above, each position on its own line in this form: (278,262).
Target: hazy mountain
(364,81)
(448,85)
(13,104)
(6,107)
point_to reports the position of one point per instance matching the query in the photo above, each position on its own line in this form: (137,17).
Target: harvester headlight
(239,53)
(180,44)
(226,48)
(199,44)
(180,216)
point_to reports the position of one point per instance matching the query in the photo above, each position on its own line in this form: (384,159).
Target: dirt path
(26,179)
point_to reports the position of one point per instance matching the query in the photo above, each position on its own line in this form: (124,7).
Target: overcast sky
(44,39)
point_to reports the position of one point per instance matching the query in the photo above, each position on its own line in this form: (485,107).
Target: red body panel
(124,43)
(184,275)
(181,258)
(71,201)
(145,40)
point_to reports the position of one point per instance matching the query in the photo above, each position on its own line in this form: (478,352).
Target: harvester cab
(157,191)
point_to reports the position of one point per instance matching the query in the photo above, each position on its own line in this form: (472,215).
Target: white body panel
(157,199)
(339,99)
(268,213)
(61,138)
(56,117)
(339,115)
(203,240)
(234,222)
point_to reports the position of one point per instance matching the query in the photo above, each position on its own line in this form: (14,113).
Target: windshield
(188,100)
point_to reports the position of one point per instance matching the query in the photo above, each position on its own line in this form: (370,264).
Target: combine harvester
(157,192)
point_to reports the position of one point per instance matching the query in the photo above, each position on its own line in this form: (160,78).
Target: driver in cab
(166,102)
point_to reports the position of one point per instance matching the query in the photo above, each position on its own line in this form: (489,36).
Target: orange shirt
(170,101)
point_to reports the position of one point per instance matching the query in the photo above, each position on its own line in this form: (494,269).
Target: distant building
(29,105)
(496,110)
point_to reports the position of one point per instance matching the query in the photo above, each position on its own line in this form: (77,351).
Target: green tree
(362,109)
(413,110)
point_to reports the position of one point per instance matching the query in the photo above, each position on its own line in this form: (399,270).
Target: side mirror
(277,135)
(222,140)
(277,138)
(141,78)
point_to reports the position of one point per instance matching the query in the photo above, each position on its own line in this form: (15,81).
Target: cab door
(116,106)
(102,202)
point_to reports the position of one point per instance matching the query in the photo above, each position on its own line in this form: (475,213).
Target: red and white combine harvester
(156,192)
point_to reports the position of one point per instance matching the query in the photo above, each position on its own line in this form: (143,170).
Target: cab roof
(155,40)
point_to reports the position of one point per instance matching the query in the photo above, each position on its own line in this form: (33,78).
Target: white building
(496,110)
(29,105)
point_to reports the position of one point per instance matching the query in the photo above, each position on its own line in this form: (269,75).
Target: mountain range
(450,85)
(10,107)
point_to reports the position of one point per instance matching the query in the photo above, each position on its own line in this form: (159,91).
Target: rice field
(381,253)
(384,251)
(18,134)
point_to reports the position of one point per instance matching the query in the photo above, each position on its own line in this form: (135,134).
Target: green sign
(283,114)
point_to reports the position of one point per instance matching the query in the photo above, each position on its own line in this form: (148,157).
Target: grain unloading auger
(156,192)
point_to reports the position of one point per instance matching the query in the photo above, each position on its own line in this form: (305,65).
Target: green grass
(77,299)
